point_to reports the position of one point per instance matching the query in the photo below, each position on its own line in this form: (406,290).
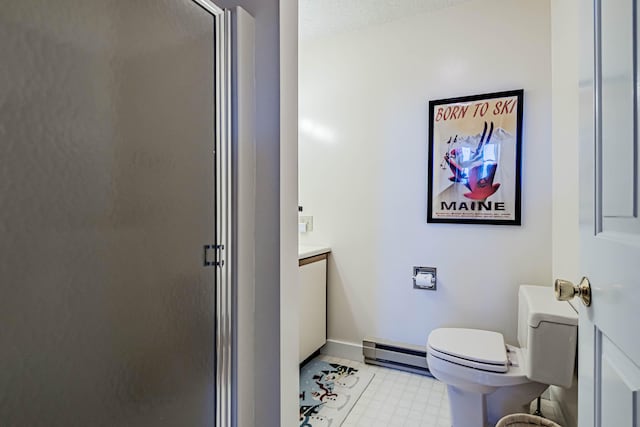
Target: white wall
(363,171)
(275,399)
(289,367)
(564,135)
(243,107)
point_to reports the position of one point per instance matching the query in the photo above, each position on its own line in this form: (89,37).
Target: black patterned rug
(328,392)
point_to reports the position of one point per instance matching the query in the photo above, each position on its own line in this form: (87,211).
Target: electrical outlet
(307,220)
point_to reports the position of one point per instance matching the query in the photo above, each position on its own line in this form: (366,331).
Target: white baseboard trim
(343,350)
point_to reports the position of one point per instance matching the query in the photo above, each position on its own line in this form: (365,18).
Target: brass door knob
(565,290)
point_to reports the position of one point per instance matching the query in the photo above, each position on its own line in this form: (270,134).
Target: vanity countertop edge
(308,251)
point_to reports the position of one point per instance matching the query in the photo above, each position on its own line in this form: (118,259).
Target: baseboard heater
(406,357)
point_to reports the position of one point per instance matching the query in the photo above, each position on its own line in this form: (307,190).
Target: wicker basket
(525,420)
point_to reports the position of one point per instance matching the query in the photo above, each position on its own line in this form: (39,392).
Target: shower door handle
(214,251)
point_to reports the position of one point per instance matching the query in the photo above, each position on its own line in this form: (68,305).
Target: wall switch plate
(306,219)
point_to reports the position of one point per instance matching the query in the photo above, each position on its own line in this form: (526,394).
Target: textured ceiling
(321,18)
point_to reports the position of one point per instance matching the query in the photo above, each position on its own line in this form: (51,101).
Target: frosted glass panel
(106,200)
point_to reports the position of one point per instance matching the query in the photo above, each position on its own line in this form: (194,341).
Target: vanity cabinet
(313,304)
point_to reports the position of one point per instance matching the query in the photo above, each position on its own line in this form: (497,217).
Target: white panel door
(609,343)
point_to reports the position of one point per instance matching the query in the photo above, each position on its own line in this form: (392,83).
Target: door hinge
(213,255)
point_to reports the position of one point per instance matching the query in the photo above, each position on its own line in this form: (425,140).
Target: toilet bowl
(487,379)
(481,392)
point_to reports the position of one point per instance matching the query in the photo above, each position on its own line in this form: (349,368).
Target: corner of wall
(289,322)
(565,103)
(568,401)
(244,158)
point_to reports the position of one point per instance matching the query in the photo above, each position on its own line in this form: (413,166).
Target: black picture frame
(478,141)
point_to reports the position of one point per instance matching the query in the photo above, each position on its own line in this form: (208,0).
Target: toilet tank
(547,334)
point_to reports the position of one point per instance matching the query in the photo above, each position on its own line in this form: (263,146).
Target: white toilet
(487,379)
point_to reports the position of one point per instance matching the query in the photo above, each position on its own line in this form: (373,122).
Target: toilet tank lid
(543,306)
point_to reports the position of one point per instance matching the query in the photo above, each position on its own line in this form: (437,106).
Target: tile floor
(397,399)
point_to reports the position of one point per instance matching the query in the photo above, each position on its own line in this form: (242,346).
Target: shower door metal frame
(223,227)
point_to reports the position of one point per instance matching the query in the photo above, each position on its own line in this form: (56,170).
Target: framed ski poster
(474,159)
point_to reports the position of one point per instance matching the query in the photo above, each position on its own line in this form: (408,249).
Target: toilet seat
(473,348)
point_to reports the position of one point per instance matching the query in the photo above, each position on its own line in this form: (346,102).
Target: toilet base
(470,409)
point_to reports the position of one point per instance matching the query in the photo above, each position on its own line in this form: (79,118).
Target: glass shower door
(112,215)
